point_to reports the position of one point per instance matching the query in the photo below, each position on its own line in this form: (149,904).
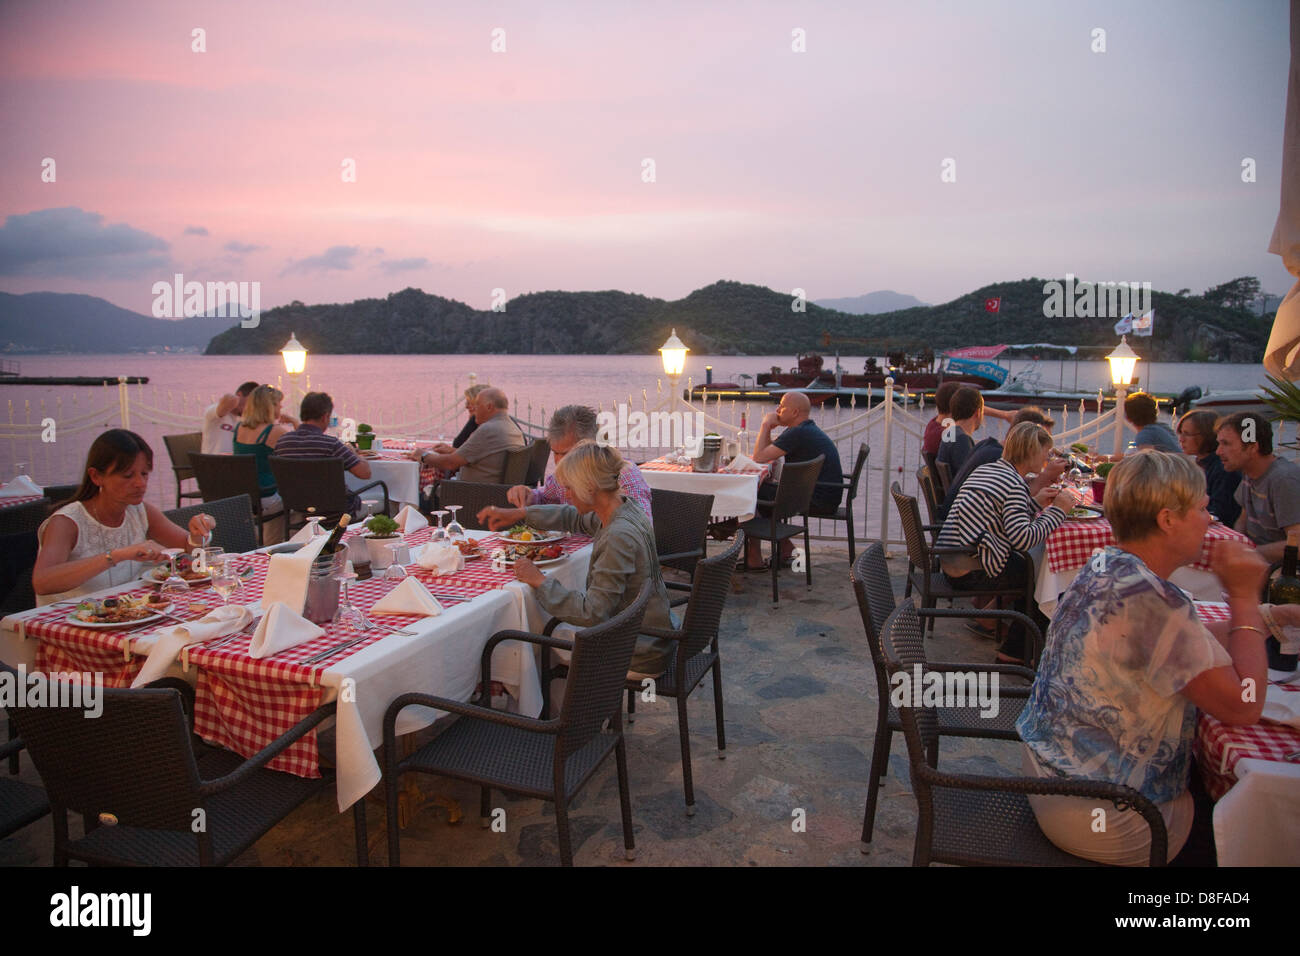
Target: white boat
(1223,402)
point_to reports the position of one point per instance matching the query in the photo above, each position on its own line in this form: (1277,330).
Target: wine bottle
(332,542)
(1285,589)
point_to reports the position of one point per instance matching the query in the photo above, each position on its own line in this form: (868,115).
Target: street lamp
(674,355)
(295,361)
(1122,363)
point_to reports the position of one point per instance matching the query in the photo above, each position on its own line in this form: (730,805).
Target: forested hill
(732,318)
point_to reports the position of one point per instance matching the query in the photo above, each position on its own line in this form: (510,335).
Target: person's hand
(415,454)
(527,572)
(1053,470)
(770,420)
(1239,568)
(201,527)
(147,551)
(497,518)
(442,448)
(519,495)
(1066,499)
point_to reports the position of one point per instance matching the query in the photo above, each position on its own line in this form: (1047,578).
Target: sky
(836,147)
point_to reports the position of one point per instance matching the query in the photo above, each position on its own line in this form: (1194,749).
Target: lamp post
(295,361)
(1122,363)
(673,353)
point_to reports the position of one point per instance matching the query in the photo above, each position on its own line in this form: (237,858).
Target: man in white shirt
(222,418)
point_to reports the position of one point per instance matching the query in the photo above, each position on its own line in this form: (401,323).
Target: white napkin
(409,519)
(218,622)
(1282,706)
(409,597)
(20,487)
(741,463)
(281,628)
(440,558)
(303,535)
(286,577)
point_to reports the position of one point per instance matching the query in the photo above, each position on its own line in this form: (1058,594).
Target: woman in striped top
(995,516)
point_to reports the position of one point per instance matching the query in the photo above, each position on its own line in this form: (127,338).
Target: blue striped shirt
(994,513)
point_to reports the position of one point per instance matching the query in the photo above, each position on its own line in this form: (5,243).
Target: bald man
(482,457)
(802,440)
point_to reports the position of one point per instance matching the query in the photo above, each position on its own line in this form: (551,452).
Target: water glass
(395,573)
(225,577)
(439,533)
(175,589)
(455,530)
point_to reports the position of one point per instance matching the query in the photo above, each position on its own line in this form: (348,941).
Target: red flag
(993,305)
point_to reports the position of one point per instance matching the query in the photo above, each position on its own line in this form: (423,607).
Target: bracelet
(1247,627)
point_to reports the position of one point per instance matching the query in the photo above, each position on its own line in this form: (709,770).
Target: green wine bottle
(1285,589)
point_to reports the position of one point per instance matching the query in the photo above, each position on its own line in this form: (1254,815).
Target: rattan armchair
(849,487)
(316,486)
(681,523)
(179,449)
(18,550)
(539,454)
(473,497)
(793,495)
(546,759)
(517,464)
(21,804)
(228,476)
(235,531)
(978,819)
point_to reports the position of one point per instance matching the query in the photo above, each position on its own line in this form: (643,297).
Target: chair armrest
(11,748)
(681,555)
(1035,633)
(963,667)
(209,787)
(677,586)
(531,724)
(545,640)
(373,484)
(663,632)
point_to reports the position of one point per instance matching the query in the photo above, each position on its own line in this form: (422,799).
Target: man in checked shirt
(568,426)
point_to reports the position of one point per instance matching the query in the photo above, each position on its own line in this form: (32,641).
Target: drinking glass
(439,533)
(225,577)
(20,468)
(346,615)
(395,572)
(211,554)
(313,522)
(175,589)
(455,529)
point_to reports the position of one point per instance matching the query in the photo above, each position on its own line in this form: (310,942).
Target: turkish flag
(993,305)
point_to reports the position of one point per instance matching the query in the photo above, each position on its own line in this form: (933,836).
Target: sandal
(978,629)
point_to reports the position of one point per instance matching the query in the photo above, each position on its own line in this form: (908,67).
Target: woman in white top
(107,535)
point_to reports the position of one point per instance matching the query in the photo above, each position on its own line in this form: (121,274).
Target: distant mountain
(729,318)
(873,303)
(60,322)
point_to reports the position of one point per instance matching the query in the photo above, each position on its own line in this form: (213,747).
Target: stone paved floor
(800,719)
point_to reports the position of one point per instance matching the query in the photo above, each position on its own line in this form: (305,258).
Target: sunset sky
(523,169)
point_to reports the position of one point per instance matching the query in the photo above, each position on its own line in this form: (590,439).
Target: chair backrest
(307,483)
(861,463)
(918,552)
(902,643)
(540,451)
(681,522)
(929,491)
(180,447)
(795,489)
(515,471)
(473,496)
(932,462)
(593,692)
(944,471)
(134,760)
(59,494)
(20,519)
(875,594)
(235,530)
(227,476)
(709,590)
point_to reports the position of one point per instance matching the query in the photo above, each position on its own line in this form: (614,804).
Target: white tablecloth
(1202,585)
(734,496)
(1257,822)
(402,478)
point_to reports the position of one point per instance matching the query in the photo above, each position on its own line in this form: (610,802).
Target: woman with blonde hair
(623,554)
(258,432)
(471,393)
(1128,663)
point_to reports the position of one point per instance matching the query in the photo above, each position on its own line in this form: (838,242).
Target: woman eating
(1196,436)
(623,552)
(1128,663)
(258,432)
(107,535)
(995,514)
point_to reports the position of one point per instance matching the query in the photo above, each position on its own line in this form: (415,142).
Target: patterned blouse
(1106,704)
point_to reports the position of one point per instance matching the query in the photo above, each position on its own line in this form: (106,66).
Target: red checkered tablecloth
(1071,545)
(1218,746)
(661,464)
(20,500)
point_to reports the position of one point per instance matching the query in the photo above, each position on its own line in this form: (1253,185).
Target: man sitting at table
(221,418)
(309,440)
(483,456)
(990,450)
(568,426)
(966,411)
(802,440)
(1140,409)
(1269,493)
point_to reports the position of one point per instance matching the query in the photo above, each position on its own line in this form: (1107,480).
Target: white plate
(90,625)
(551,538)
(148,578)
(541,564)
(1090,516)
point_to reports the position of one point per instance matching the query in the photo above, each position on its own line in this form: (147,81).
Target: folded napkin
(287,575)
(302,536)
(409,519)
(218,622)
(741,463)
(1287,636)
(20,487)
(440,558)
(409,597)
(1282,706)
(281,629)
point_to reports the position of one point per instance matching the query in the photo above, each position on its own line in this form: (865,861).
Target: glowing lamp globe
(674,355)
(295,356)
(1122,363)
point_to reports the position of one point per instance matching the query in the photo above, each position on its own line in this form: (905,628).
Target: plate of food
(540,555)
(159,574)
(469,548)
(125,610)
(1082,514)
(524,534)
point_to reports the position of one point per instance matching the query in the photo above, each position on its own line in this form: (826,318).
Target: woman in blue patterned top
(1127,663)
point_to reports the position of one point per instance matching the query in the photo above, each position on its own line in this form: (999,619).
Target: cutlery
(331,651)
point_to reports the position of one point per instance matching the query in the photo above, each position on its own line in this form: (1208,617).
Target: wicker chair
(546,759)
(229,476)
(315,486)
(18,550)
(179,448)
(875,594)
(944,472)
(135,766)
(933,502)
(681,523)
(57,495)
(970,819)
(540,454)
(844,512)
(21,804)
(473,496)
(235,530)
(793,494)
(518,463)
(923,572)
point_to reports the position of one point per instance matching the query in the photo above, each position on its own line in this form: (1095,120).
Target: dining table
(735,493)
(403,476)
(243,703)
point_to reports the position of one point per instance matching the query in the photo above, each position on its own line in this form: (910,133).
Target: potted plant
(1099,482)
(365,436)
(382,532)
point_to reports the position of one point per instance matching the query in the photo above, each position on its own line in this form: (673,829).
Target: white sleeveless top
(94,538)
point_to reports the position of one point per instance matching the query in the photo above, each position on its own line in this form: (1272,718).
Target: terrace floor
(800,698)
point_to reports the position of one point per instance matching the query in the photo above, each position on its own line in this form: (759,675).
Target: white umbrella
(1282,356)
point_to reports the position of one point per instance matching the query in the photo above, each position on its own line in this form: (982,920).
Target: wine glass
(395,572)
(20,469)
(225,576)
(439,533)
(175,589)
(345,615)
(455,529)
(313,522)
